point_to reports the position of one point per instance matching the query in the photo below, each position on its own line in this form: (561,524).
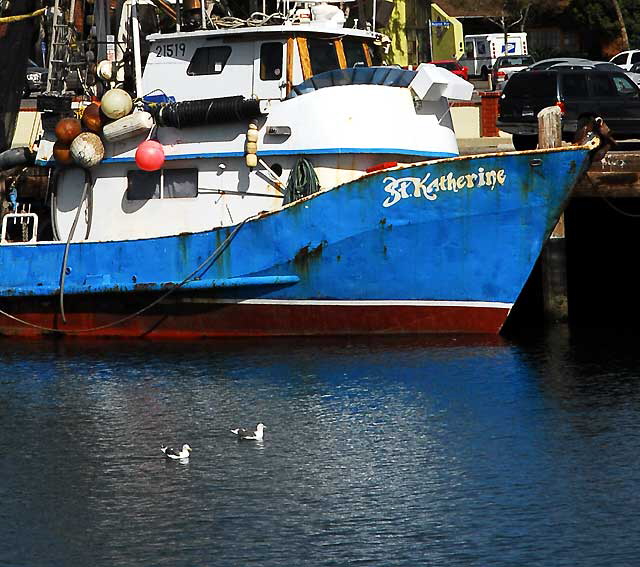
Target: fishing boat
(273,177)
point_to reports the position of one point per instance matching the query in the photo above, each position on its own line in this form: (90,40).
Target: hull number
(170,50)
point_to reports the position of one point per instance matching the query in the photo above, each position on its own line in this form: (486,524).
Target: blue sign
(440,24)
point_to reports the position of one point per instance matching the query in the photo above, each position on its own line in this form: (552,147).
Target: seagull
(254,434)
(171,453)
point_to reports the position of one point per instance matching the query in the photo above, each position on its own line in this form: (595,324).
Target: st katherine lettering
(406,187)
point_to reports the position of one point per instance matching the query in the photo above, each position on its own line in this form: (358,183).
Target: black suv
(580,94)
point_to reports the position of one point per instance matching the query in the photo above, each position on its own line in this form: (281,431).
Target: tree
(623,27)
(515,13)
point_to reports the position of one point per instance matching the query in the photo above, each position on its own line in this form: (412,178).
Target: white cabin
(321,96)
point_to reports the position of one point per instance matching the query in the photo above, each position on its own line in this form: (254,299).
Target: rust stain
(307,254)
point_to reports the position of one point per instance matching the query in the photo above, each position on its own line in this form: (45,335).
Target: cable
(63,269)
(208,262)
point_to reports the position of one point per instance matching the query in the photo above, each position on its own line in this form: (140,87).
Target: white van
(482,50)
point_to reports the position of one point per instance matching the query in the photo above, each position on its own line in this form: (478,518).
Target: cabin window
(354,52)
(323,55)
(165,184)
(209,60)
(271,61)
(180,184)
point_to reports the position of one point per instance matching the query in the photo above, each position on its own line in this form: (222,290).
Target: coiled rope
(302,181)
(256,19)
(208,262)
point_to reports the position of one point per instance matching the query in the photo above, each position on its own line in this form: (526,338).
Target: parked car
(580,94)
(625,59)
(35,79)
(507,65)
(601,66)
(454,66)
(546,63)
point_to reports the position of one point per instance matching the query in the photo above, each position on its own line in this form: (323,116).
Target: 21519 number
(170,50)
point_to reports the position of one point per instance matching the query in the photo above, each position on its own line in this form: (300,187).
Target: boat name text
(405,187)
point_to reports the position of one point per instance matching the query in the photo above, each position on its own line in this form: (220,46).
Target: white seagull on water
(171,453)
(256,434)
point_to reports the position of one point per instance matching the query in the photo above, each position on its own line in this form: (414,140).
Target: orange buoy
(67,129)
(150,155)
(92,118)
(62,153)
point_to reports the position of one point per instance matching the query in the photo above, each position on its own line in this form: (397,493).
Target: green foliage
(596,15)
(599,16)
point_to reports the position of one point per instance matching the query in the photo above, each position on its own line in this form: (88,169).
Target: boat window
(323,55)
(209,60)
(271,61)
(354,52)
(180,183)
(388,76)
(143,185)
(168,184)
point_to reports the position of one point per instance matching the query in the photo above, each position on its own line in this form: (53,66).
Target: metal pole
(373,23)
(137,63)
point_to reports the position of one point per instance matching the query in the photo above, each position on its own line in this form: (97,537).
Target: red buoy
(150,155)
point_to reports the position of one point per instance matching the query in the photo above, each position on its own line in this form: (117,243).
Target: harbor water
(387,452)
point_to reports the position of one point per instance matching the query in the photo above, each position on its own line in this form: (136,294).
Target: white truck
(482,50)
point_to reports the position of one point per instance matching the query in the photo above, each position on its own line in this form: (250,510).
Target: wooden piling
(554,253)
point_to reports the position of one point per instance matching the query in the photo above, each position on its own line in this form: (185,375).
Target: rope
(10,19)
(255,20)
(302,182)
(63,268)
(208,262)
(608,202)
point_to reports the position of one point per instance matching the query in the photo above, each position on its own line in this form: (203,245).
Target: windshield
(388,76)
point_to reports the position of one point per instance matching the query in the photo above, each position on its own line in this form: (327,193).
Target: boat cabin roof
(285,30)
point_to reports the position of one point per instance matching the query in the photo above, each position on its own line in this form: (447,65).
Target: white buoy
(87,149)
(116,103)
(128,126)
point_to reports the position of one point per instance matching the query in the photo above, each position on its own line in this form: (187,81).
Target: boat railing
(387,76)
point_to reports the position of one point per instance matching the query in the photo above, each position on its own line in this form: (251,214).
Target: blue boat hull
(442,246)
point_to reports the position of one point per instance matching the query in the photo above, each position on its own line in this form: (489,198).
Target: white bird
(171,453)
(256,434)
